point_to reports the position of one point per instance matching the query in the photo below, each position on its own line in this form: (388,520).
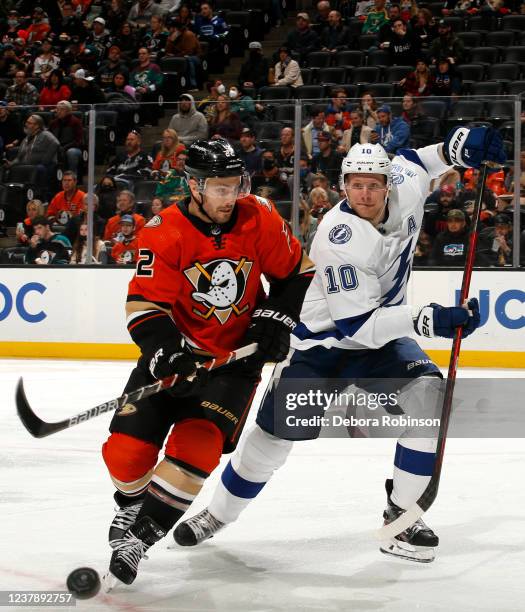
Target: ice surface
(305,544)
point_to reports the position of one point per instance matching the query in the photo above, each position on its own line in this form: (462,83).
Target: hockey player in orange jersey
(197,292)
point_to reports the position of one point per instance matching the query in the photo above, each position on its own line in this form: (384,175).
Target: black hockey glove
(271,329)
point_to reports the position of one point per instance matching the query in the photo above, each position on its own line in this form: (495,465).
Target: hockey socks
(252,465)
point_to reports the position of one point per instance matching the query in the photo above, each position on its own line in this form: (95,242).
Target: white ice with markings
(307,543)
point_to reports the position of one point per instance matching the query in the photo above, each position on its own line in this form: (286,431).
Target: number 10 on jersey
(344,278)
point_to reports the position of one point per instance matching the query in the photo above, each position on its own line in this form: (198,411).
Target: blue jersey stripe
(345,328)
(412,156)
(238,486)
(413,461)
(351,325)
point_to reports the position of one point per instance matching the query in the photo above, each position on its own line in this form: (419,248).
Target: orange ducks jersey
(209,275)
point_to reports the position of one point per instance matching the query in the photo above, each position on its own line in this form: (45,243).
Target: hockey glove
(435,320)
(470,147)
(271,329)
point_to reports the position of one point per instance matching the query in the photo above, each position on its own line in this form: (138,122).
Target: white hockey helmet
(364,159)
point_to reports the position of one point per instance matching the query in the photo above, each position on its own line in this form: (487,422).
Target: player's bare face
(219,198)
(366,194)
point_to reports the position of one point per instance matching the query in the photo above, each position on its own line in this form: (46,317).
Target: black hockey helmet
(212,158)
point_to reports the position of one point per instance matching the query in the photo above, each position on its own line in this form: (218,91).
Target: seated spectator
(182,42)
(9,30)
(323,14)
(126,41)
(335,36)
(157,206)
(39,28)
(287,71)
(495,243)
(447,44)
(369,107)
(46,61)
(425,29)
(133,163)
(436,221)
(126,248)
(328,160)
(286,153)
(166,158)
(225,123)
(209,27)
(72,228)
(467,195)
(24,229)
(312,129)
(303,40)
(319,203)
(143,10)
(320,180)
(38,148)
(114,64)
(68,202)
(362,8)
(147,80)
(121,86)
(10,63)
(242,105)
(249,152)
(21,93)
(79,249)
(125,205)
(268,183)
(450,246)
(69,132)
(11,131)
(307,226)
(107,197)
(386,32)
(254,71)
(446,83)
(155,37)
(189,123)
(409,10)
(358,133)
(404,45)
(376,18)
(207,105)
(423,252)
(54,89)
(419,82)
(392,133)
(85,90)
(70,26)
(411,110)
(45,247)
(338,111)
(173,186)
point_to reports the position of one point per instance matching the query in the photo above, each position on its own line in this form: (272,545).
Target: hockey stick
(427,498)
(40,429)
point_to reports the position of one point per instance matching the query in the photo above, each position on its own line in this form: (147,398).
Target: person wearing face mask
(268,183)
(254,71)
(182,42)
(107,197)
(242,104)
(13,25)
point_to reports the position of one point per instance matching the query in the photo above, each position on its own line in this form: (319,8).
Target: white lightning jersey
(357,299)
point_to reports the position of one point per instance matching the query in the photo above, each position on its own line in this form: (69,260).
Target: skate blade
(109,582)
(408,552)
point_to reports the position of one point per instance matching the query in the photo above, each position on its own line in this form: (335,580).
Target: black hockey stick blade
(34,425)
(40,429)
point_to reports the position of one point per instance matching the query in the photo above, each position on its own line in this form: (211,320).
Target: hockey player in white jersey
(355,323)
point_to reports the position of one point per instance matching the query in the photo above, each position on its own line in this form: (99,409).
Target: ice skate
(130,549)
(417,543)
(124,518)
(197,529)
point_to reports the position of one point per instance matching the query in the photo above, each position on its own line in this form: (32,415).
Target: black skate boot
(417,543)
(130,549)
(197,529)
(125,517)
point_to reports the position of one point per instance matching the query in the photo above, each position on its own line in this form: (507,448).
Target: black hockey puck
(83,582)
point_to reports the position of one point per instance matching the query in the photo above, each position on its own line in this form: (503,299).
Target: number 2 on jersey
(145,263)
(346,276)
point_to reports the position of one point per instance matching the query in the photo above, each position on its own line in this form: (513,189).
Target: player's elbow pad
(149,327)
